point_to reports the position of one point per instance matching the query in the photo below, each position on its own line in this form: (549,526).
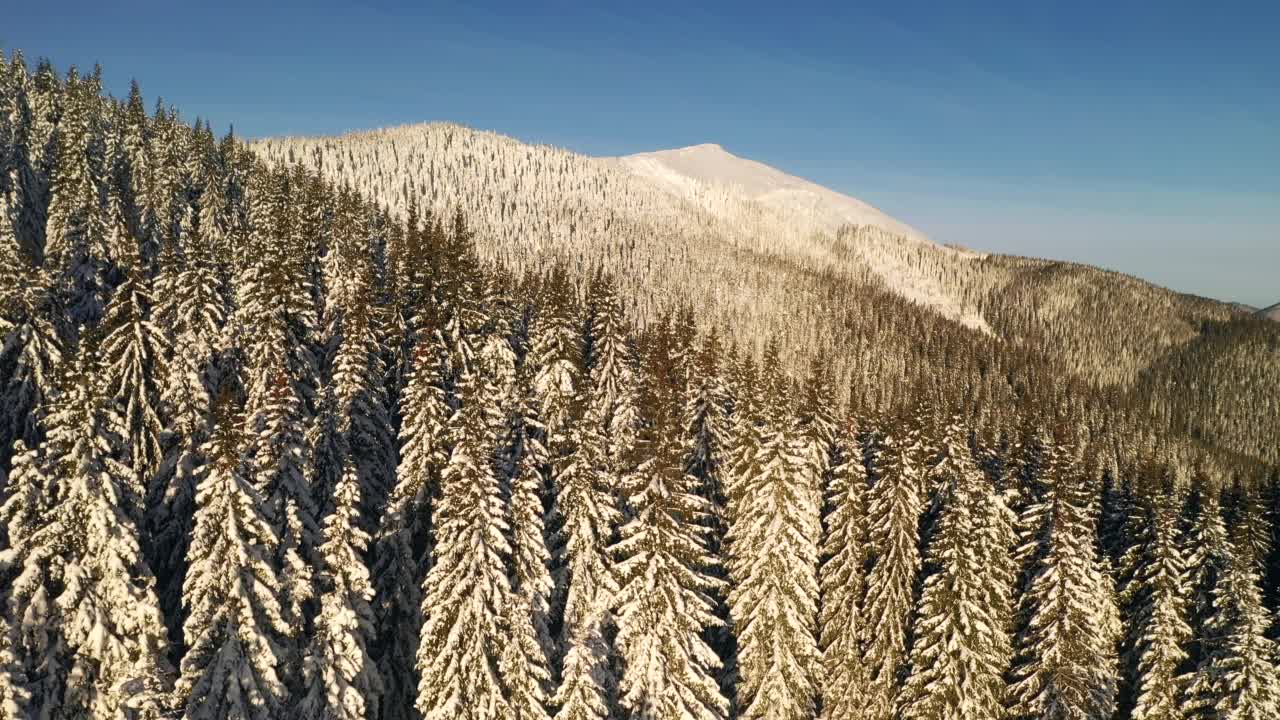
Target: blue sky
(1143,137)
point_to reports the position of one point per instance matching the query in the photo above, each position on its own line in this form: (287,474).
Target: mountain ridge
(711,163)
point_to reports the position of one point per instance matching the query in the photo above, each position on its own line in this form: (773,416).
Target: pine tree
(556,353)
(664,601)
(843,581)
(1064,659)
(961,644)
(75,235)
(341,678)
(32,629)
(192,310)
(1158,628)
(30,348)
(89,631)
(402,548)
(893,513)
(109,611)
(236,623)
(774,543)
(1237,677)
(522,457)
(133,344)
(1208,549)
(466,590)
(275,310)
(363,417)
(586,505)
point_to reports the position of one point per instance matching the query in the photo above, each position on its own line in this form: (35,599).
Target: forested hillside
(762,254)
(277,444)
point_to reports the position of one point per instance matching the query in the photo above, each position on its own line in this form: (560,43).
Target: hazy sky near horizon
(1138,136)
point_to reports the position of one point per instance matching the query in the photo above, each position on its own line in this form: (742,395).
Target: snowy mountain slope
(690,227)
(703,175)
(683,169)
(746,245)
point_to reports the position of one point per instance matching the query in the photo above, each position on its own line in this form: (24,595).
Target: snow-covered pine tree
(276,312)
(363,420)
(520,460)
(74,249)
(1207,548)
(31,626)
(774,542)
(109,610)
(893,514)
(817,425)
(1246,516)
(707,438)
(467,589)
(1158,630)
(517,459)
(961,644)
(1237,677)
(195,312)
(133,346)
(664,602)
(30,348)
(235,624)
(342,680)
(842,578)
(91,636)
(1065,664)
(587,506)
(133,164)
(402,548)
(707,429)
(556,353)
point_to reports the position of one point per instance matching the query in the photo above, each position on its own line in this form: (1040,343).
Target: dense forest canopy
(283,442)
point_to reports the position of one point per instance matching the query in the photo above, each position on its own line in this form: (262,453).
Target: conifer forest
(426,424)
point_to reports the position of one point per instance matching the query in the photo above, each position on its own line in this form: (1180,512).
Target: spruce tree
(1236,679)
(843,581)
(30,346)
(134,345)
(466,591)
(194,314)
(33,634)
(1207,547)
(774,542)
(402,549)
(109,610)
(236,623)
(1064,660)
(961,646)
(1158,628)
(893,514)
(664,601)
(342,680)
(586,505)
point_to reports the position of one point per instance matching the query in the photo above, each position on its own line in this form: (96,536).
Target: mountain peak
(681,170)
(701,147)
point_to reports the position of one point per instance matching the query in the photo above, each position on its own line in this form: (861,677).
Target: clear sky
(1139,136)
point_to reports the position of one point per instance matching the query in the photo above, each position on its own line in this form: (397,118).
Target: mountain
(684,170)
(1271,313)
(762,254)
